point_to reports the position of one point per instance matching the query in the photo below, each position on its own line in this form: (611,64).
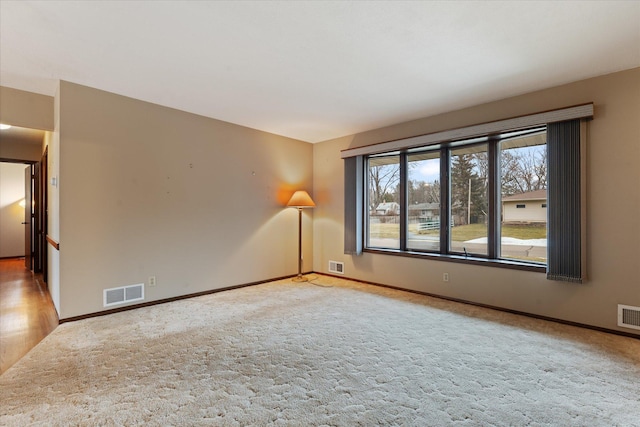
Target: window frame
(445,253)
(449,188)
(441,152)
(367,205)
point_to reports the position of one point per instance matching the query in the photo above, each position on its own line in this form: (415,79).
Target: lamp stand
(299,200)
(300,277)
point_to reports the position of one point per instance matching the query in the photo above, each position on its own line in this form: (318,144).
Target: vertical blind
(353,205)
(564,238)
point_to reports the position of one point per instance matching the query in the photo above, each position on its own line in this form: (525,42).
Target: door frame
(43,214)
(39,213)
(29,217)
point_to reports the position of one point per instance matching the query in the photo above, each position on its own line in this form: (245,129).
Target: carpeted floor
(347,354)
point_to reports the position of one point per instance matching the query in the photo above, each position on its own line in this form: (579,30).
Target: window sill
(499,263)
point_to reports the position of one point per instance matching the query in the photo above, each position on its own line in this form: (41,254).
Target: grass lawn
(525,232)
(384,231)
(463,233)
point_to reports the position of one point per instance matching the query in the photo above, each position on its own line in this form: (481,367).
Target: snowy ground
(513,241)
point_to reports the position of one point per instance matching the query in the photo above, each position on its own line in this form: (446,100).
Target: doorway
(14,209)
(35,218)
(23,198)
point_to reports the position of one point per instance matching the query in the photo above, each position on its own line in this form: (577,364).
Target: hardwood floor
(27,314)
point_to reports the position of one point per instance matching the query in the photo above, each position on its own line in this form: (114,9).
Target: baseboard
(166,300)
(506,310)
(462,301)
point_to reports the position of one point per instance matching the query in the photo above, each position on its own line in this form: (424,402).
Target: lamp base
(299,278)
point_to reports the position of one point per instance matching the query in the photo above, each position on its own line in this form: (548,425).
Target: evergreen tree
(465,178)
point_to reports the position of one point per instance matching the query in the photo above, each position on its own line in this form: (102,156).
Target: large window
(509,193)
(463,198)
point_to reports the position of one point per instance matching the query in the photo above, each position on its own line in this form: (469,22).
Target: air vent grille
(628,316)
(336,267)
(123,294)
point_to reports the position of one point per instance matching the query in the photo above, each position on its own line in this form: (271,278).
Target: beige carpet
(293,354)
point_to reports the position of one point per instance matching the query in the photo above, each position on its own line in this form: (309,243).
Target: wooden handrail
(53,243)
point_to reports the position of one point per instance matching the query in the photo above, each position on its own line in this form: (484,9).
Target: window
(406,208)
(468,200)
(523,175)
(423,201)
(477,194)
(383,179)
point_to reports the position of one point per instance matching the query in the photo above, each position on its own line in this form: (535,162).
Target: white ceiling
(315,70)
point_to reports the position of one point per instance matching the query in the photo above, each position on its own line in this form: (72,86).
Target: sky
(429,170)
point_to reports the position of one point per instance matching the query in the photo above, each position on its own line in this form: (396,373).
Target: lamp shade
(301,199)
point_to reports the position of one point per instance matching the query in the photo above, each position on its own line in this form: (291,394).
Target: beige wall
(26,109)
(613,210)
(52,143)
(11,149)
(147,190)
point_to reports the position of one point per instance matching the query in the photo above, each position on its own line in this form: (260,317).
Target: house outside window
(534,201)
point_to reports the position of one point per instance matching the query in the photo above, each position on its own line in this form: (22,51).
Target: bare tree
(523,170)
(433,192)
(383,181)
(423,192)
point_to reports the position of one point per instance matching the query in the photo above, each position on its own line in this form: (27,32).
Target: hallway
(27,314)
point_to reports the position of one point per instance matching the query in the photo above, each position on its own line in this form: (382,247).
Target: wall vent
(123,294)
(336,267)
(628,316)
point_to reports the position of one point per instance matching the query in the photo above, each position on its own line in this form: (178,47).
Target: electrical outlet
(445,277)
(152,280)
